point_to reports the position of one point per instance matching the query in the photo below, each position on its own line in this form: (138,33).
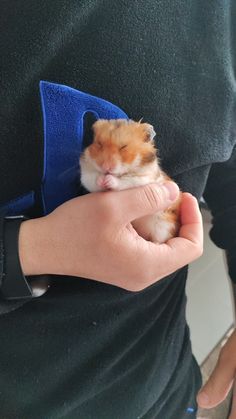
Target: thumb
(137,202)
(217,387)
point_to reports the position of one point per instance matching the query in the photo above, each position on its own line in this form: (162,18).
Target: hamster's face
(121,146)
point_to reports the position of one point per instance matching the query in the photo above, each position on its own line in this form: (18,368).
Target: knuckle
(153,197)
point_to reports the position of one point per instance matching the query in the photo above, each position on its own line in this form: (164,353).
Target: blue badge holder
(64,110)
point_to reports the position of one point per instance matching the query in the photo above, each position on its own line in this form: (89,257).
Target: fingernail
(172,190)
(203,398)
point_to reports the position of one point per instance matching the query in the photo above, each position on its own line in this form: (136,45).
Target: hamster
(121,156)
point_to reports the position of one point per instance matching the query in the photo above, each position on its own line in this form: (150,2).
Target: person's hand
(92,237)
(222,379)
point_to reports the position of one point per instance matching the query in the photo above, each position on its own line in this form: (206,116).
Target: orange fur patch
(121,140)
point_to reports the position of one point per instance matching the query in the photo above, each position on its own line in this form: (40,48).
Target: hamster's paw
(110,182)
(100,181)
(107,182)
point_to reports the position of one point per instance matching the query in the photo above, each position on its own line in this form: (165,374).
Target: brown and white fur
(121,156)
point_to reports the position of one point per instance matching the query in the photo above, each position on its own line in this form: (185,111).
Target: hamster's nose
(107,167)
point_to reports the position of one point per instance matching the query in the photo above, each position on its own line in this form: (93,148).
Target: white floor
(209,307)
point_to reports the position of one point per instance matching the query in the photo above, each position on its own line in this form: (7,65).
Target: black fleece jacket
(110,353)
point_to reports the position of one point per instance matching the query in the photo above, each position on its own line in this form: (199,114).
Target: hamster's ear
(99,124)
(149,132)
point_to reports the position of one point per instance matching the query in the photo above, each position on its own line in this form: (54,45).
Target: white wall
(209,307)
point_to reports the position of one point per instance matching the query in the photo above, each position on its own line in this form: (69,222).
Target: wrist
(32,248)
